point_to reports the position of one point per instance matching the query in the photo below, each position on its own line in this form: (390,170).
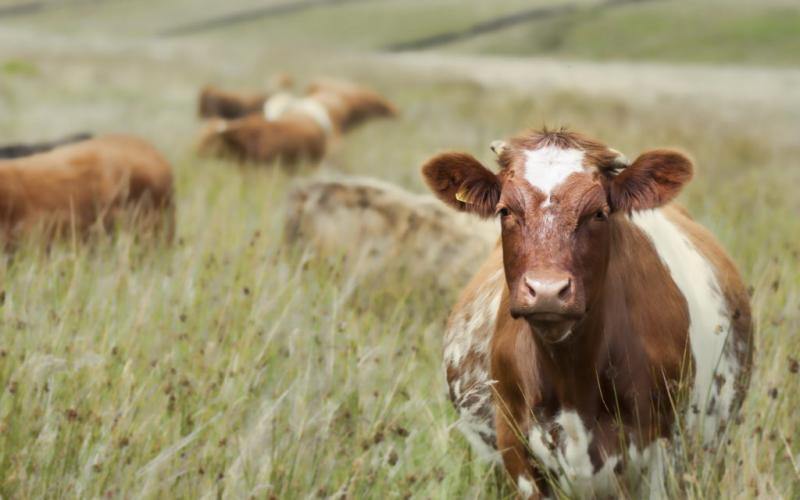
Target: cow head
(556,195)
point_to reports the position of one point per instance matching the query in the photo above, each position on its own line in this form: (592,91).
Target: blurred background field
(230,366)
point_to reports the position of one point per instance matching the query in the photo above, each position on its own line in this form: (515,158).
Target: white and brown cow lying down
(8,151)
(292,128)
(380,226)
(605,317)
(76,187)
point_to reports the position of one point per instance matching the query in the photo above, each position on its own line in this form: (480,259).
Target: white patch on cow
(283,103)
(546,168)
(470,428)
(525,487)
(569,457)
(574,454)
(473,327)
(709,322)
(470,331)
(277,105)
(657,487)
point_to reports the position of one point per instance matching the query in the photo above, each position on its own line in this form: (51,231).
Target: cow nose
(549,293)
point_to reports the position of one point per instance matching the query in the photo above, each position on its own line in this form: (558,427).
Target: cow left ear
(655,178)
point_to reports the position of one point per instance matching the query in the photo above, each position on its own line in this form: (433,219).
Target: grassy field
(228,365)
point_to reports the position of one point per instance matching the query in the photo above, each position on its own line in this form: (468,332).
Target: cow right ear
(462,182)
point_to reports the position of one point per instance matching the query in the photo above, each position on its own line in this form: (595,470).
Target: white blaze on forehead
(546,168)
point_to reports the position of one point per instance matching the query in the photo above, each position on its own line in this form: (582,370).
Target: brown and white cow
(75,187)
(296,128)
(605,318)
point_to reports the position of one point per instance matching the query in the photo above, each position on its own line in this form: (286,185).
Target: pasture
(229,365)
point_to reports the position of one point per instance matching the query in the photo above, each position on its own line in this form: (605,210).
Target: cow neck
(572,365)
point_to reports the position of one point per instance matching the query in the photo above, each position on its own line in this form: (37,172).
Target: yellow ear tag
(461,196)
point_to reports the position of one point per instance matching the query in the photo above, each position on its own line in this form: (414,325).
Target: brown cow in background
(295,128)
(76,187)
(253,139)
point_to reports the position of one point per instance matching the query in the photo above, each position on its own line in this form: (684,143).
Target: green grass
(707,32)
(228,365)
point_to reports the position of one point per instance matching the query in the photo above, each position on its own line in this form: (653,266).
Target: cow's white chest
(710,329)
(562,447)
(548,167)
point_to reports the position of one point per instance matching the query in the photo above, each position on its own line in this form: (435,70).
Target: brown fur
(217,103)
(479,188)
(291,139)
(78,186)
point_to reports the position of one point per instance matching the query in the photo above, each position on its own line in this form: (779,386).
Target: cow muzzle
(549,301)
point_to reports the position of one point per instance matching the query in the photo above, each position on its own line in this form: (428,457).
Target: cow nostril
(531,288)
(565,290)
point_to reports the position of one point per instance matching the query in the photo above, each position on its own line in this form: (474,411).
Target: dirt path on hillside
(746,95)
(738,85)
(752,96)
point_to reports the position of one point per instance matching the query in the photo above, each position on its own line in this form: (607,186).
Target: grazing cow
(295,128)
(19,150)
(605,320)
(379,226)
(77,186)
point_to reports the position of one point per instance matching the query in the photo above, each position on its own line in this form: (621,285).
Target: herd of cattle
(78,183)
(604,330)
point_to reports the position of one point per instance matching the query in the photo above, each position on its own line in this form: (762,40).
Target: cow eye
(600,215)
(503,212)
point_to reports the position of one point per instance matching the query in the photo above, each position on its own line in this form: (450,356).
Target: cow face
(556,196)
